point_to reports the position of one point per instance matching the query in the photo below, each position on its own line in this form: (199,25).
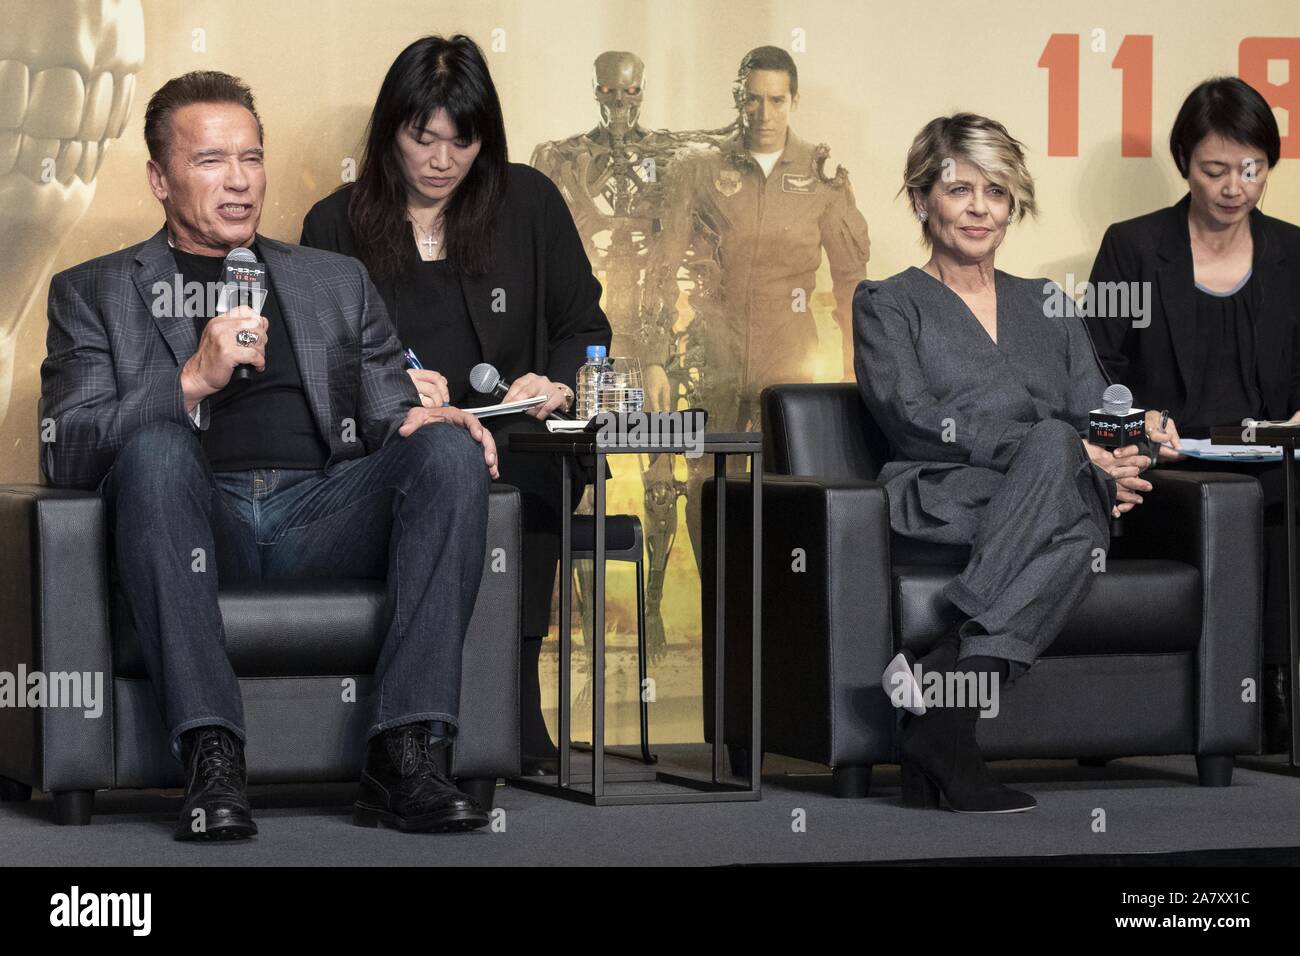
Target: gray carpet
(1151,805)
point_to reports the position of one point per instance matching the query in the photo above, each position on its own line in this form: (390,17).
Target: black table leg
(598,640)
(641,668)
(720,615)
(1293,613)
(756,675)
(566,618)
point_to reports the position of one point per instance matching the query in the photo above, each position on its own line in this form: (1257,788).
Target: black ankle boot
(538,756)
(216,785)
(939,753)
(1277,710)
(405,785)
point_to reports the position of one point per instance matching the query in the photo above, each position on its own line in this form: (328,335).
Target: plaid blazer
(112,366)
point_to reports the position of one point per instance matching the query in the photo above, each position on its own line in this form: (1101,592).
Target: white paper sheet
(487,411)
(1201,448)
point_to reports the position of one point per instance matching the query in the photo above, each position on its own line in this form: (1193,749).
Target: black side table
(588,450)
(1288,438)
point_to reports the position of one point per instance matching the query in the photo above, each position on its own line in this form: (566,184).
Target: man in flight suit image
(765,202)
(774,211)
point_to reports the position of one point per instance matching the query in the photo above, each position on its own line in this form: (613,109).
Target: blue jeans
(413,513)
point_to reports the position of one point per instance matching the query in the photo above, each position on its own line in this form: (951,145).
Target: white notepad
(487,411)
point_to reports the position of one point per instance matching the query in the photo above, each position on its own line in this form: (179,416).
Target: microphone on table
(486,380)
(244,282)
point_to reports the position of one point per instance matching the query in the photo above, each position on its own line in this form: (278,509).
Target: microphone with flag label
(486,380)
(243,283)
(1117,423)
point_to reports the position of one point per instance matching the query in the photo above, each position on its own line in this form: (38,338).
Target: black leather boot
(405,785)
(939,754)
(216,785)
(1277,710)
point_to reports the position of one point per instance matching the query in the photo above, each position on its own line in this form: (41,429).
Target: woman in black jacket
(1219,340)
(477,260)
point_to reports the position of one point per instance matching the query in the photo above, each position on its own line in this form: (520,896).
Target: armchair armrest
(1214,522)
(54,619)
(827,631)
(488,742)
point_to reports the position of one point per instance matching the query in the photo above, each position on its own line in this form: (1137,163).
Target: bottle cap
(596,352)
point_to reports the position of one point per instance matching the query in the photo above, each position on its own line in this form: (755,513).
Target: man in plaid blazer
(323,463)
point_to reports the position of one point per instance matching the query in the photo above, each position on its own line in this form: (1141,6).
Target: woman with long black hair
(477,260)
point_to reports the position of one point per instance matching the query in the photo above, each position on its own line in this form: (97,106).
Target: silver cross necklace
(429,242)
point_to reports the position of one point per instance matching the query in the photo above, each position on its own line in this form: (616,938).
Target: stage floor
(1152,809)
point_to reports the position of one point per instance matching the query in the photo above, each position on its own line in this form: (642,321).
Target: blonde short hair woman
(984,397)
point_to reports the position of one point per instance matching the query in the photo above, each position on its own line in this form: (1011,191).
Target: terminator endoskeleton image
(618,181)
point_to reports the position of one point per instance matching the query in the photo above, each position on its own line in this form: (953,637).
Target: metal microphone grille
(483,378)
(241,254)
(1116,400)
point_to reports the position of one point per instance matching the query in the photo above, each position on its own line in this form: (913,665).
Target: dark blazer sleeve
(574,318)
(91,419)
(1293,257)
(1294,389)
(314,232)
(1116,262)
(324,227)
(895,390)
(387,393)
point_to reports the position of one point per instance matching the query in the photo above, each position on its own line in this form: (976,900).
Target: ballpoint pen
(414,362)
(1164,423)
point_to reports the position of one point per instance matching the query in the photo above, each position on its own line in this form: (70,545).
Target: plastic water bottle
(590,382)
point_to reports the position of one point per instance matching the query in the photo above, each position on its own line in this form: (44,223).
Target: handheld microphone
(486,380)
(244,283)
(1117,423)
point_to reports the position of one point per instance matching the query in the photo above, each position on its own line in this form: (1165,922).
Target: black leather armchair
(1153,662)
(303,651)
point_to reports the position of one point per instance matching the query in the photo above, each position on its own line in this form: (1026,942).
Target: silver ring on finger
(247,337)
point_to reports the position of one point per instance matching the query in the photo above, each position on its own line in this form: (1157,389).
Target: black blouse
(1226,355)
(433,322)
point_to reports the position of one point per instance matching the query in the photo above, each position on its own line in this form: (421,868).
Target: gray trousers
(1033,550)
